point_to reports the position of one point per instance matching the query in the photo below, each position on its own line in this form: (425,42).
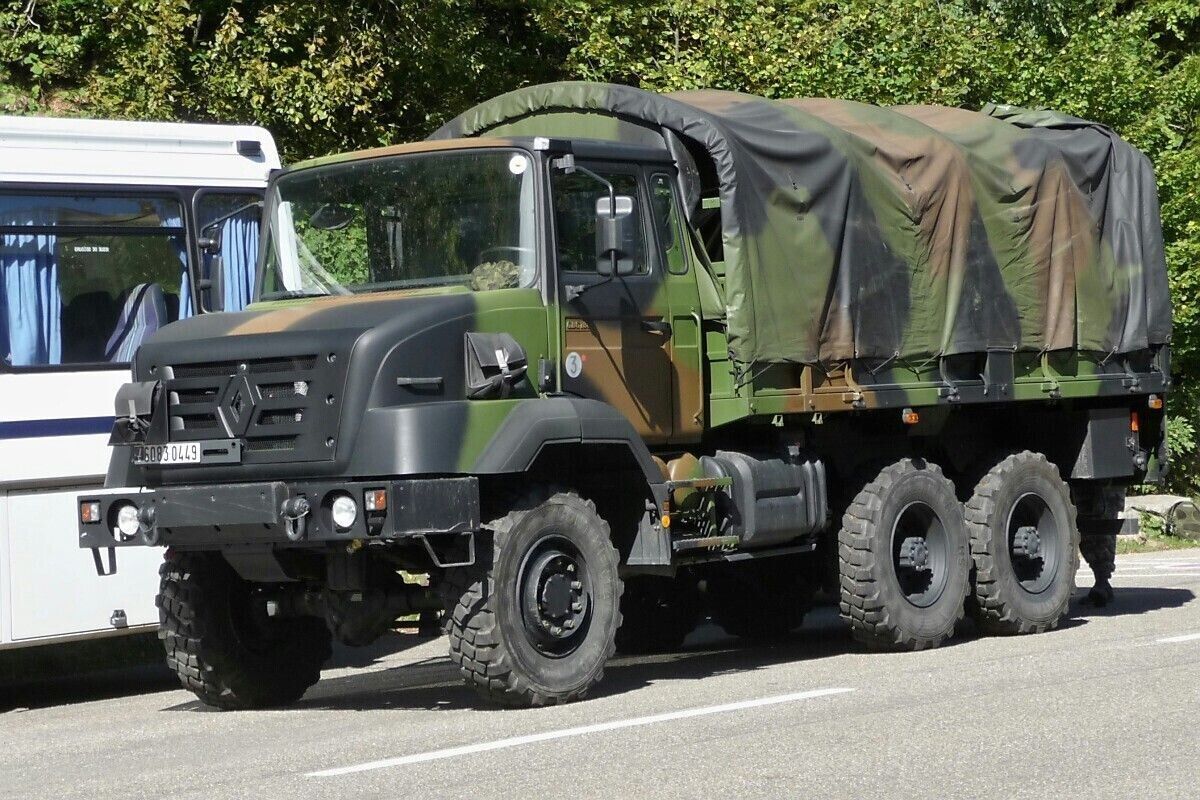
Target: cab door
(616,331)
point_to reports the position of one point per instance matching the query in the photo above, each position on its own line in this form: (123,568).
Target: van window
(232,221)
(86,277)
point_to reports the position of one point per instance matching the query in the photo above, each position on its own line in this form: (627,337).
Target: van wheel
(904,560)
(657,614)
(223,646)
(534,622)
(1025,542)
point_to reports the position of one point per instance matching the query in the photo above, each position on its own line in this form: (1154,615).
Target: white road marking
(583,730)
(1188,637)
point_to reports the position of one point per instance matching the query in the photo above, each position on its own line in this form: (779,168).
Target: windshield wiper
(291,294)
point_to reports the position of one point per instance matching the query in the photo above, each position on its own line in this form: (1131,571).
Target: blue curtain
(239,253)
(31,306)
(173,220)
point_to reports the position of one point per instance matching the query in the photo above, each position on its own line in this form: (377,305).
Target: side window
(232,222)
(84,278)
(666,223)
(575,197)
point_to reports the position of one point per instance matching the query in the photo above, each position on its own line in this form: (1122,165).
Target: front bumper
(223,515)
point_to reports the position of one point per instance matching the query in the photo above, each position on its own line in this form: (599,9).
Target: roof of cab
(408,149)
(586,148)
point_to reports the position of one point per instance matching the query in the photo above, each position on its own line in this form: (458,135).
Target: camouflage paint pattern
(398,333)
(854,232)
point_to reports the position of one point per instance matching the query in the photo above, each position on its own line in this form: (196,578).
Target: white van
(108,231)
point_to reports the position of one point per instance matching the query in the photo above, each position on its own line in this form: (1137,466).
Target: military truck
(603,363)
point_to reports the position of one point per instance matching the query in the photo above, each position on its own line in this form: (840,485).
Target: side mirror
(616,235)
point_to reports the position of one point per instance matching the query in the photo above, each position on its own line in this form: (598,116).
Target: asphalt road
(1104,707)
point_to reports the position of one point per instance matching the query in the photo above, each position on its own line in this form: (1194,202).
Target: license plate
(166,454)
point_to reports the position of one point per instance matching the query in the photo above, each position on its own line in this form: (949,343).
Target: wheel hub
(1034,543)
(920,550)
(1027,543)
(914,553)
(554,598)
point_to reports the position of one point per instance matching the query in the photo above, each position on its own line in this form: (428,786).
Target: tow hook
(295,512)
(148,525)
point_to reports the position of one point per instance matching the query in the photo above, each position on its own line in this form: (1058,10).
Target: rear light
(1155,402)
(910,417)
(375,499)
(89,512)
(1133,421)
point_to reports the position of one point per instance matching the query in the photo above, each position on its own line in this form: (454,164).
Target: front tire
(223,647)
(534,622)
(1024,542)
(903,557)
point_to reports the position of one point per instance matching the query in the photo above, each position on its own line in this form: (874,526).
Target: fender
(534,424)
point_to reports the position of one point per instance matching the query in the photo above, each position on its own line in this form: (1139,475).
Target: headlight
(127,520)
(345,511)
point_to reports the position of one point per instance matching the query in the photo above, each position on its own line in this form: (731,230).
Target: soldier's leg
(1099,550)
(1099,510)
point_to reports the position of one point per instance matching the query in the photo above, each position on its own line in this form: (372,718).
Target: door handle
(657,326)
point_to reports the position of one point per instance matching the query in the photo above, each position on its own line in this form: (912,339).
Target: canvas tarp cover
(853,231)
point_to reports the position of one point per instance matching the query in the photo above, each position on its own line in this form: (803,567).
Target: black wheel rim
(555,592)
(1033,542)
(920,554)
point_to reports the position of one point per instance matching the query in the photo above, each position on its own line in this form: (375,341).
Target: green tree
(321,76)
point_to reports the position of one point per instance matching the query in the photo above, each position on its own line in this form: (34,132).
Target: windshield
(441,219)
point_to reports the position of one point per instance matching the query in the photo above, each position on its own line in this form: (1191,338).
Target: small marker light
(666,520)
(1155,402)
(375,499)
(910,417)
(89,511)
(1133,421)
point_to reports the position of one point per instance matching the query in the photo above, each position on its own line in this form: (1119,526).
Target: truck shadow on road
(433,683)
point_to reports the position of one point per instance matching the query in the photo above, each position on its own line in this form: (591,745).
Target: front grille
(255,366)
(282,417)
(276,405)
(274,444)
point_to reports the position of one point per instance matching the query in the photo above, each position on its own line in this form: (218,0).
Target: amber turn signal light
(89,511)
(910,417)
(1155,402)
(375,499)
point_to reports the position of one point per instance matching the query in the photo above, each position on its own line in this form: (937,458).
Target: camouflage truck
(603,363)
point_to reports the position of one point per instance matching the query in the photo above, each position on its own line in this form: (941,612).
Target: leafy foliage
(330,76)
(321,76)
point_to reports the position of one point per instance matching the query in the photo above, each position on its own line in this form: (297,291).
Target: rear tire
(1024,542)
(224,652)
(521,631)
(904,560)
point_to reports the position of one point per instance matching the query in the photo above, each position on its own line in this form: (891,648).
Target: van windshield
(441,219)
